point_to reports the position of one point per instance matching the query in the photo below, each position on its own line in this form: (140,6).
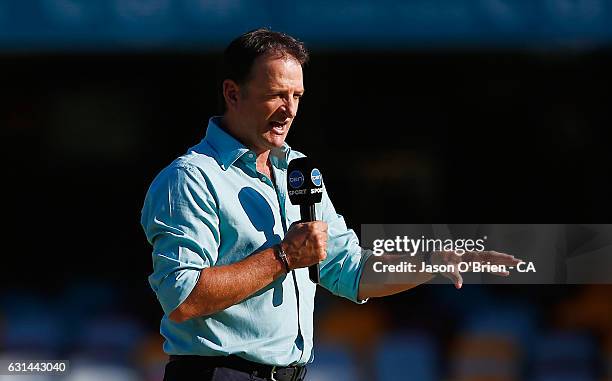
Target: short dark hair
(241,53)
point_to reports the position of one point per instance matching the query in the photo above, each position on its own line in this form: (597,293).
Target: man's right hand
(305,244)
(217,289)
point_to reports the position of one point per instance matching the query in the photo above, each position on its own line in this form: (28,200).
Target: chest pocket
(248,225)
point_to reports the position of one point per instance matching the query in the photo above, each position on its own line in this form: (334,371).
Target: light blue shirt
(211,207)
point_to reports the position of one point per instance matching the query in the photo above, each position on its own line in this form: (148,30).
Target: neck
(262,162)
(230,126)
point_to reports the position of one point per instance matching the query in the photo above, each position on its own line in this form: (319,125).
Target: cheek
(259,109)
(270,107)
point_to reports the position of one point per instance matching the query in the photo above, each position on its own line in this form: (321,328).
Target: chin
(277,144)
(275,141)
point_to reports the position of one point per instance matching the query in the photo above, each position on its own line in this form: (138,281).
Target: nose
(290,107)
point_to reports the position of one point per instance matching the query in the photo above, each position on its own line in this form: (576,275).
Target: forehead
(277,71)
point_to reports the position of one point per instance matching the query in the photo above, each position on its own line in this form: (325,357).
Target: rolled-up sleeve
(341,271)
(180,220)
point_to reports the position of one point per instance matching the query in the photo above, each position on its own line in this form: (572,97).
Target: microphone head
(304,182)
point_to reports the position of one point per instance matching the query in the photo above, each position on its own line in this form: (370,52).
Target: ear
(231,92)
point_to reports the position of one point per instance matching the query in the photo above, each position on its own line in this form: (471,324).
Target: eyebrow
(278,90)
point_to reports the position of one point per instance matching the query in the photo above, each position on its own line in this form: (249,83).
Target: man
(230,258)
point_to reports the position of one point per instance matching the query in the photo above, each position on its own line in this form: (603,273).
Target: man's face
(268,102)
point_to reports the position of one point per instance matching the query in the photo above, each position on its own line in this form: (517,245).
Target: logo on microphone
(296,179)
(315,176)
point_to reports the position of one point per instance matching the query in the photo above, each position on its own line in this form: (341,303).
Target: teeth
(278,127)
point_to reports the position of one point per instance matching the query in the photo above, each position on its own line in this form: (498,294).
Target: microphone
(305,185)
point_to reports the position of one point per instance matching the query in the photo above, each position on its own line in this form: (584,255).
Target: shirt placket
(280,193)
(279,190)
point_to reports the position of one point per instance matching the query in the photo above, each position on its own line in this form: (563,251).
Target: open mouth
(278,127)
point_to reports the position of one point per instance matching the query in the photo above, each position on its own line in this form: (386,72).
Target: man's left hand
(470,257)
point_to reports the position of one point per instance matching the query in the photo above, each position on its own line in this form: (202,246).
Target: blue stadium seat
(564,356)
(512,321)
(332,363)
(111,340)
(407,356)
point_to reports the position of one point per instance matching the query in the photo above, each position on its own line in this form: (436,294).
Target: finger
(323,255)
(471,256)
(459,282)
(481,256)
(495,254)
(456,278)
(490,255)
(506,261)
(502,262)
(499,258)
(294,224)
(322,226)
(501,273)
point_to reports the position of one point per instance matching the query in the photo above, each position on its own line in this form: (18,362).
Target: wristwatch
(280,254)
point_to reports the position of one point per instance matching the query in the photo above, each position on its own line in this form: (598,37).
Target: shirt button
(250,155)
(263,179)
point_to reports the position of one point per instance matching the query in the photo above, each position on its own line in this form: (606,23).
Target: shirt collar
(229,149)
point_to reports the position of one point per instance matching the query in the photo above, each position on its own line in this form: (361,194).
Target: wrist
(279,252)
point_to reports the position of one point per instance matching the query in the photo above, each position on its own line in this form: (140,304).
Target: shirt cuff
(176,287)
(349,284)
